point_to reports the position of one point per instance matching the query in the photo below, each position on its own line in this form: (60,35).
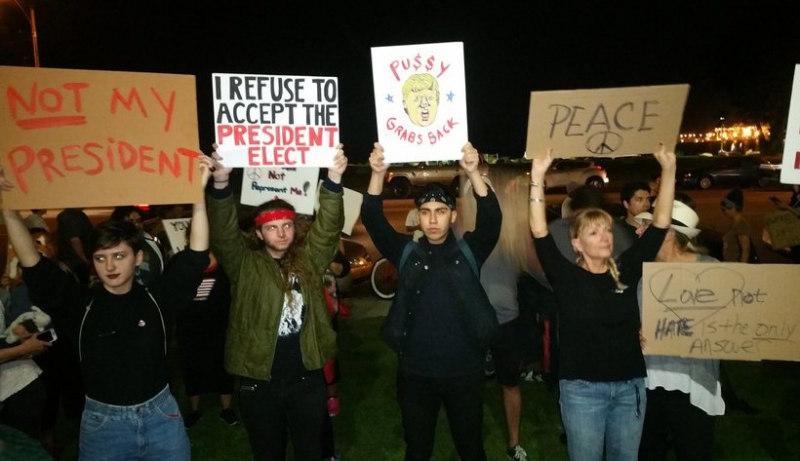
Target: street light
(30,15)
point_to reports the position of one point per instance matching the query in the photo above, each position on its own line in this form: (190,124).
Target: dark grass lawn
(368,427)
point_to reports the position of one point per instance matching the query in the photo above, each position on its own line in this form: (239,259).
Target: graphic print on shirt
(292,315)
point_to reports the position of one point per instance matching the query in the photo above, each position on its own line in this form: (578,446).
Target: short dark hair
(113,232)
(630,188)
(586,197)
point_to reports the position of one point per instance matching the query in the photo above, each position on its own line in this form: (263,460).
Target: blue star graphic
(450,96)
(389,98)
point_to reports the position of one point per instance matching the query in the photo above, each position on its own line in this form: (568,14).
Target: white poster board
(276,120)
(295,185)
(790,168)
(352,207)
(177,231)
(728,311)
(420,101)
(607,122)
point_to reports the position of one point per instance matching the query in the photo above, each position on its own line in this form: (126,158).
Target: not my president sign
(276,120)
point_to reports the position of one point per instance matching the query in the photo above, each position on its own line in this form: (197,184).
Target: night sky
(738,57)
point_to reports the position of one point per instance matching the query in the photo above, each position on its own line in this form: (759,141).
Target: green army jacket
(257,289)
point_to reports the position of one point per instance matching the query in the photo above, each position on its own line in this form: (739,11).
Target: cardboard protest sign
(606,122)
(83,138)
(295,185)
(276,120)
(177,231)
(783,228)
(420,101)
(352,207)
(790,168)
(728,311)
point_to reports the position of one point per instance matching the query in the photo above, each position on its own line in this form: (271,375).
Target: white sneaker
(517,454)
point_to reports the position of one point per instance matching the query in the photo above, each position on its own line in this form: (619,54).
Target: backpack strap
(406,251)
(470,257)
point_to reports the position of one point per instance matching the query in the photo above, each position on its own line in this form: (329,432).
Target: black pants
(23,410)
(420,399)
(271,408)
(671,421)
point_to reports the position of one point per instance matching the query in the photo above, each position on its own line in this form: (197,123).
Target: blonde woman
(602,370)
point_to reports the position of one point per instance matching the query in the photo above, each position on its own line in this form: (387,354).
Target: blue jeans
(598,414)
(148,431)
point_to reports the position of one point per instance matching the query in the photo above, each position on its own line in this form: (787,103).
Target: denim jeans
(421,398)
(598,414)
(148,431)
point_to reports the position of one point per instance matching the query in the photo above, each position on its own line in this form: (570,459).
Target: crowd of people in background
(254,310)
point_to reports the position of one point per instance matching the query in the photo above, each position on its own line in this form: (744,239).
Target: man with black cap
(432,324)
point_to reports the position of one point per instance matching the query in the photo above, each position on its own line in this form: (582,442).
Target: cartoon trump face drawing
(421,98)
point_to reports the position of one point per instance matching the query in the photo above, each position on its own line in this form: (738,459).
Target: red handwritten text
(417,64)
(93,158)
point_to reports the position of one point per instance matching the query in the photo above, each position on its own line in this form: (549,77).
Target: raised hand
(5,184)
(540,165)
(336,171)
(220,173)
(206,167)
(665,158)
(471,159)
(376,159)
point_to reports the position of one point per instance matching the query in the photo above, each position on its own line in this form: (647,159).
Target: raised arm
(379,168)
(198,235)
(18,235)
(336,171)
(470,163)
(538,211)
(662,213)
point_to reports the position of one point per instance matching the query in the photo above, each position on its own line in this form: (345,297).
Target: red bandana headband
(272,215)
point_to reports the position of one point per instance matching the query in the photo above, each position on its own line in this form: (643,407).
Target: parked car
(741,171)
(578,171)
(360,260)
(401,180)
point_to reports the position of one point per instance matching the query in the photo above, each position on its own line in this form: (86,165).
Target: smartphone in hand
(48,335)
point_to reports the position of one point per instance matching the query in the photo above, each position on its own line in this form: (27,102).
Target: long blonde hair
(589,217)
(514,245)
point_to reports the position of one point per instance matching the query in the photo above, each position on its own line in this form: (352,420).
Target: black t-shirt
(599,323)
(120,339)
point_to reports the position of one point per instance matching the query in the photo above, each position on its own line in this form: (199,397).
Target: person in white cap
(683,395)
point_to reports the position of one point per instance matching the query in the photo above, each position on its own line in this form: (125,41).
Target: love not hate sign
(82,138)
(721,310)
(276,120)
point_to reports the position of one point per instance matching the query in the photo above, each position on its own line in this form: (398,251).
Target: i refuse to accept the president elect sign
(276,120)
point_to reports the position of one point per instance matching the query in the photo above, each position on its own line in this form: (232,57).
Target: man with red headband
(279,330)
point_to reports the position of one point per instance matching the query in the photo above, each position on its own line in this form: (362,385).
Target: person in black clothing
(73,229)
(441,361)
(602,369)
(119,330)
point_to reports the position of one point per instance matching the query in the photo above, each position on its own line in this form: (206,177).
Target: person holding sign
(683,394)
(120,331)
(602,369)
(441,322)
(279,331)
